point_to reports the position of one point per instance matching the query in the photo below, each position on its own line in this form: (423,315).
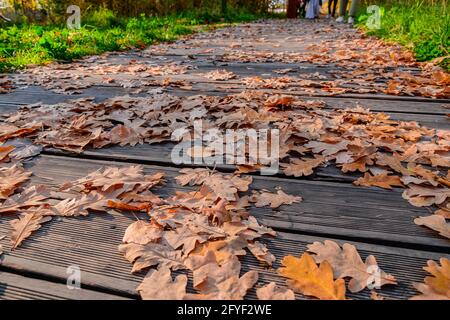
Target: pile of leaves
(6,84)
(389,153)
(72,78)
(353,63)
(206,230)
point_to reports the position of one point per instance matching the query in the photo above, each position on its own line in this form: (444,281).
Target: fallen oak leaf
(278,102)
(223,249)
(142,232)
(159,285)
(9,131)
(24,226)
(302,167)
(5,151)
(220,75)
(151,254)
(420,196)
(11,178)
(252,223)
(265,198)
(382,180)
(347,262)
(273,292)
(128,207)
(33,196)
(375,295)
(435,222)
(310,280)
(184,237)
(327,149)
(437,286)
(219,282)
(74,207)
(111,178)
(261,252)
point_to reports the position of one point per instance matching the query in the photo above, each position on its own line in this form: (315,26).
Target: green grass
(422,26)
(101,31)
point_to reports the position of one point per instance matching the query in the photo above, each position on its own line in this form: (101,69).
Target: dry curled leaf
(11,178)
(25,226)
(382,180)
(219,282)
(33,196)
(435,222)
(302,167)
(273,292)
(159,285)
(142,232)
(261,252)
(5,151)
(151,254)
(425,196)
(347,262)
(220,75)
(274,200)
(310,280)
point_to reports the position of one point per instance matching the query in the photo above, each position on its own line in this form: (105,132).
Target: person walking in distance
(351,14)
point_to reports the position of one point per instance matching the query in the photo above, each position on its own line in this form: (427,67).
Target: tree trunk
(224,7)
(292,9)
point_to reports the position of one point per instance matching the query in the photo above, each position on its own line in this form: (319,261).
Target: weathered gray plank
(329,208)
(17,287)
(91,243)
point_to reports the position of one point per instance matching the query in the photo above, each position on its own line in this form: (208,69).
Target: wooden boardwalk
(377,221)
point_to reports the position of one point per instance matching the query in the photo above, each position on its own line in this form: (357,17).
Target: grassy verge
(422,26)
(101,31)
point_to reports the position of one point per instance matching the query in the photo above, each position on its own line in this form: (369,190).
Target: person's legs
(353,8)
(342,7)
(334,7)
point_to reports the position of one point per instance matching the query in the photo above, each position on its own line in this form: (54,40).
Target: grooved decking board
(35,94)
(91,243)
(329,208)
(17,287)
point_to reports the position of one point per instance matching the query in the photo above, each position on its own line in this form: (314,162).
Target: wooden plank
(17,287)
(36,94)
(91,243)
(329,208)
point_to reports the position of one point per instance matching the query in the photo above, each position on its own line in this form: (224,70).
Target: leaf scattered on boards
(151,254)
(159,285)
(382,180)
(435,222)
(273,292)
(307,278)
(274,200)
(25,225)
(347,262)
(436,286)
(10,179)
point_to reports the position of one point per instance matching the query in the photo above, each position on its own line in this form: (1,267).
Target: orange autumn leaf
(128,207)
(311,280)
(5,151)
(278,102)
(437,286)
(382,180)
